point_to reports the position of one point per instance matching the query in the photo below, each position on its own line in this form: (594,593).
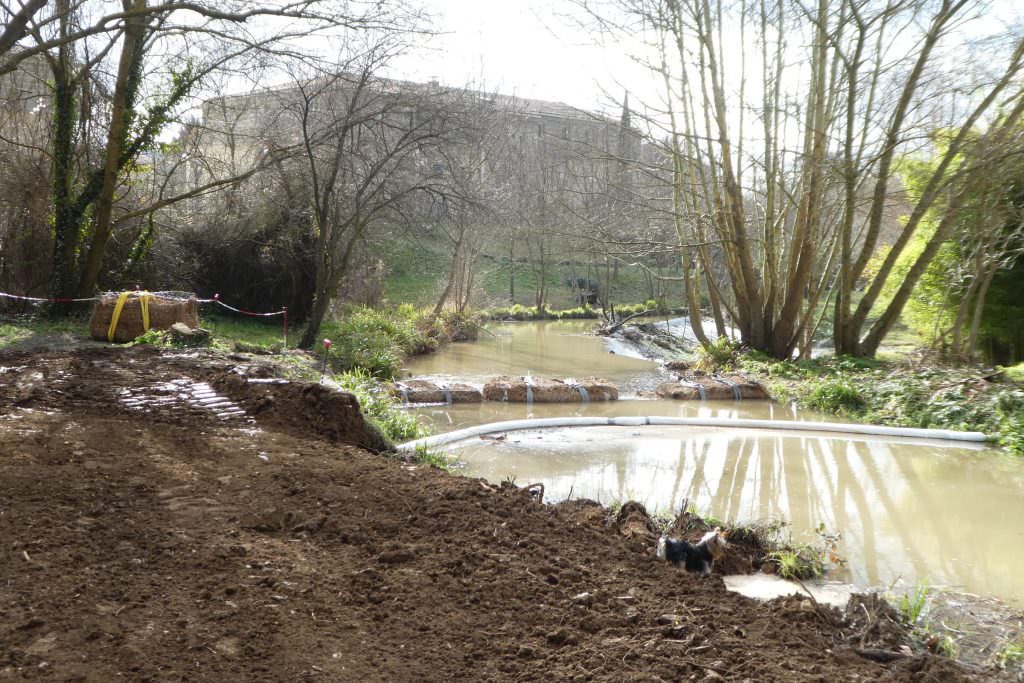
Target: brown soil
(146,538)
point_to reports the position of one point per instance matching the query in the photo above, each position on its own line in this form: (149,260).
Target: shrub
(801,562)
(721,354)
(378,405)
(1011,656)
(839,396)
(376,341)
(452,325)
(151,337)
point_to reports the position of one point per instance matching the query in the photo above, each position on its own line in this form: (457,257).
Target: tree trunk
(979,308)
(66,217)
(129,78)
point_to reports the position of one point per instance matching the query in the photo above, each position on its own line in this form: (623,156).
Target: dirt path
(145,538)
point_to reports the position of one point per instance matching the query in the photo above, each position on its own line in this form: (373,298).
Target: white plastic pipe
(733,423)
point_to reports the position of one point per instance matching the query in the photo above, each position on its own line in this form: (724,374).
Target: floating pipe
(735,423)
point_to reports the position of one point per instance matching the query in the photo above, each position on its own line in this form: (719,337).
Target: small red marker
(327,351)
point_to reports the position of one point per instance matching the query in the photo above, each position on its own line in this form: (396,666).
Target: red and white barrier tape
(215,300)
(52,300)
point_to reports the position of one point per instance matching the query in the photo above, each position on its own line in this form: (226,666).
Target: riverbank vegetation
(900,393)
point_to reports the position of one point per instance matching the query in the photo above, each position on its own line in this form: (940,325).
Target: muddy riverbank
(168,543)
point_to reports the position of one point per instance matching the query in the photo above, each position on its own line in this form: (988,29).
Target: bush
(840,396)
(376,341)
(802,562)
(378,406)
(890,394)
(721,354)
(452,325)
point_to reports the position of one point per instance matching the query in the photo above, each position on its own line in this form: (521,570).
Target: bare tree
(123,71)
(372,148)
(784,157)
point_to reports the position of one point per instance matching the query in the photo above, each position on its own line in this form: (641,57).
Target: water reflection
(908,511)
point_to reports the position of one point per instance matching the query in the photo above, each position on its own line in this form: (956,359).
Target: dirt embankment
(162,522)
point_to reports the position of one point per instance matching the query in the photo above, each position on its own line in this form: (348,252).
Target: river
(908,511)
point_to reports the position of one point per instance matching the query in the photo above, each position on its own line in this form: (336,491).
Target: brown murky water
(909,511)
(543,349)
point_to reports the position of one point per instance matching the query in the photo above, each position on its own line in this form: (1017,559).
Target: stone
(183,334)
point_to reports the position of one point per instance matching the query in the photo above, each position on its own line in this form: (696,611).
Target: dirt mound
(426,391)
(542,390)
(712,388)
(304,409)
(165,543)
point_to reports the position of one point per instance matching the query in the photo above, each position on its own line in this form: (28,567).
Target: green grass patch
(386,413)
(17,332)
(912,605)
(519,312)
(432,458)
(229,331)
(1011,656)
(1015,373)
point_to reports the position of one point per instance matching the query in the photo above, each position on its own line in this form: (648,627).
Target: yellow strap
(117,314)
(144,305)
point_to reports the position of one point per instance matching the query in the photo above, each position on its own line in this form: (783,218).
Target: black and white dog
(696,558)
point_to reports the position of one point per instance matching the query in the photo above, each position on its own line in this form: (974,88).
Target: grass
(418,267)
(380,407)
(797,563)
(912,606)
(520,312)
(432,458)
(1015,373)
(229,331)
(1011,656)
(30,331)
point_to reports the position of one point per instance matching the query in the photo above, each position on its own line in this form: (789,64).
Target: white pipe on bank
(735,423)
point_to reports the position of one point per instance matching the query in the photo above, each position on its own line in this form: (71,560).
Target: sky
(518,47)
(531,48)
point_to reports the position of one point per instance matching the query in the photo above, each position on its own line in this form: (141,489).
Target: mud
(170,543)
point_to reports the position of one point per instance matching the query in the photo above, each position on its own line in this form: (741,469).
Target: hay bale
(163,312)
(714,389)
(513,390)
(426,391)
(599,389)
